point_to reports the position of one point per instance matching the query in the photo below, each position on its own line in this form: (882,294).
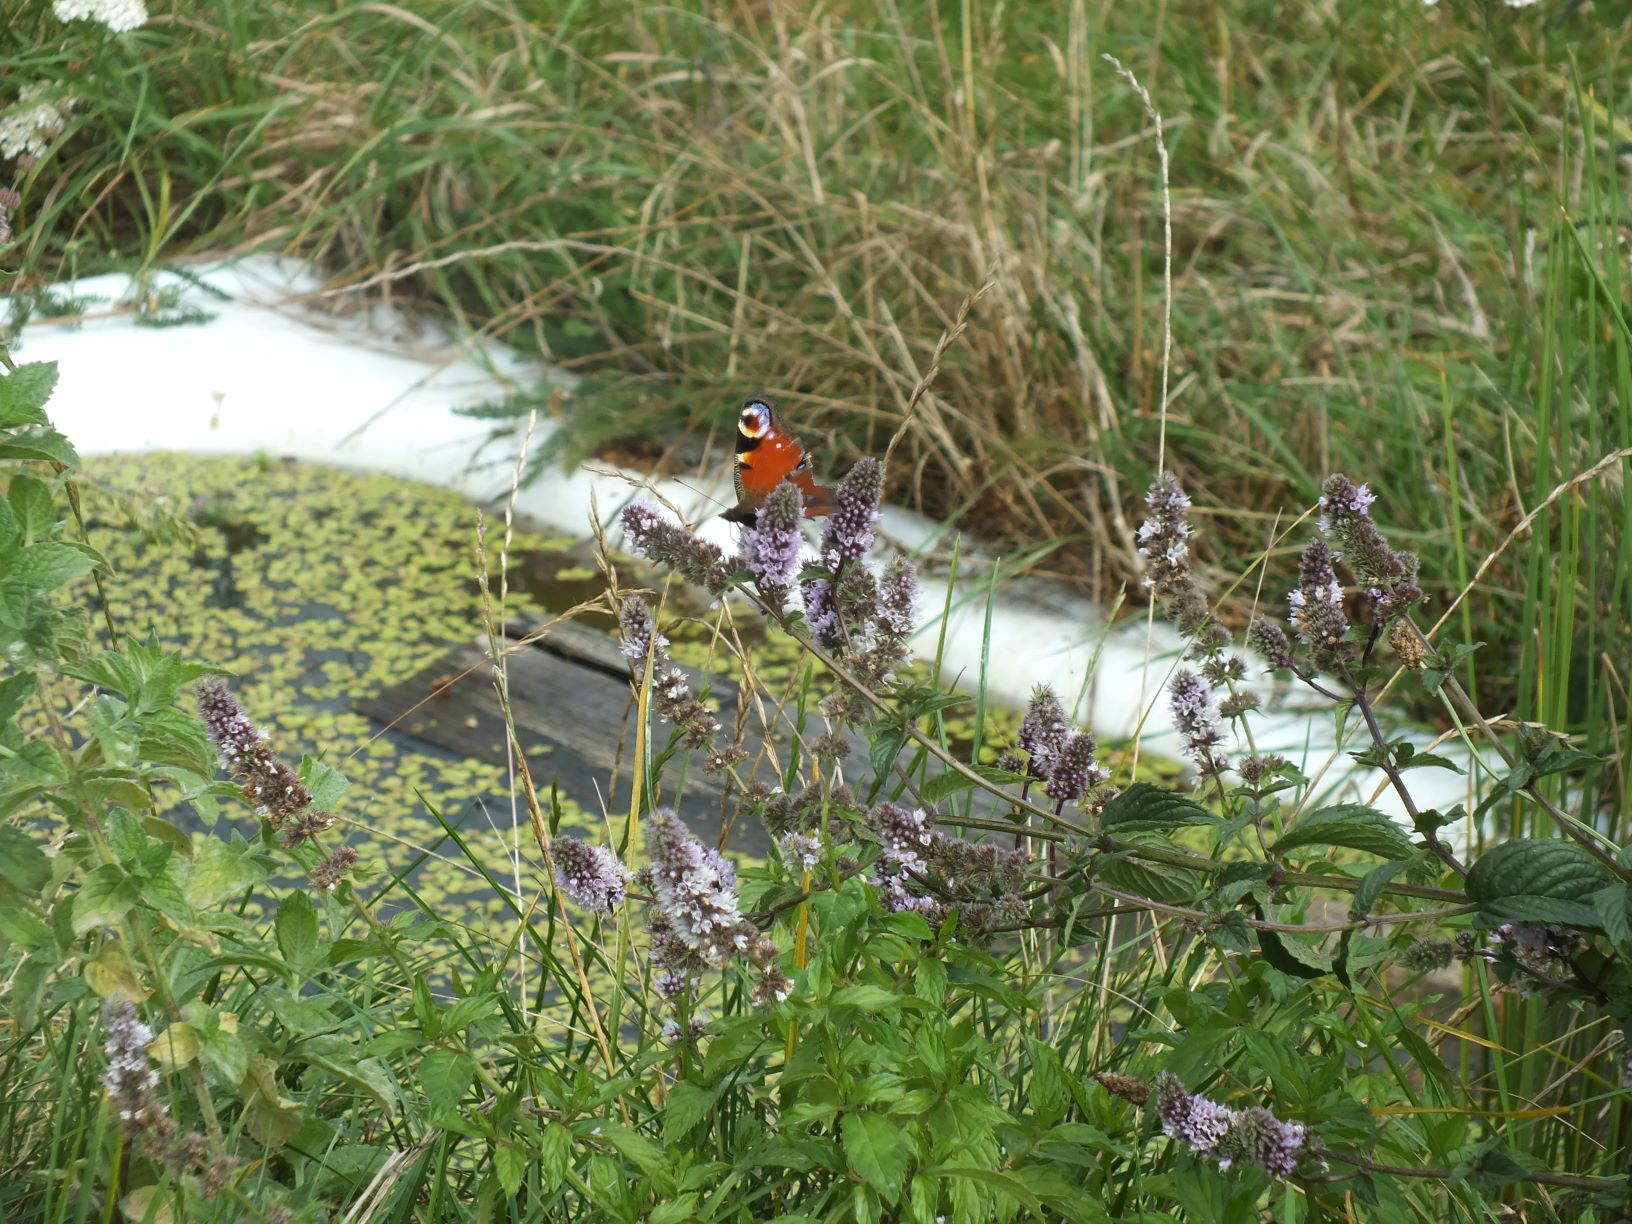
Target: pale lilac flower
(770,547)
(800,851)
(1191,700)
(1043,731)
(695,890)
(694,559)
(635,625)
(904,835)
(328,873)
(1389,576)
(1270,641)
(820,614)
(848,533)
(672,697)
(1163,538)
(1195,1121)
(590,875)
(131,1079)
(1256,1134)
(270,784)
(1074,768)
(1210,1129)
(1315,605)
(672,1032)
(897,595)
(1164,541)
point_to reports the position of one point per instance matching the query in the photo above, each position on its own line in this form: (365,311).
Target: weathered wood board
(573,704)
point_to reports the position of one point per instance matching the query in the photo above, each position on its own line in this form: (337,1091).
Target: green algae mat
(319,587)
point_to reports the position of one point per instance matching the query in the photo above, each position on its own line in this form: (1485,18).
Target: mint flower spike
(1191,700)
(694,920)
(696,560)
(770,547)
(848,534)
(672,697)
(1315,605)
(1212,1130)
(1164,541)
(590,875)
(1075,768)
(1389,576)
(269,783)
(1043,731)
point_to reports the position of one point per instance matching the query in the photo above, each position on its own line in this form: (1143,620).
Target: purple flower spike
(849,532)
(1191,700)
(1043,731)
(694,559)
(269,783)
(590,875)
(696,891)
(770,548)
(1075,768)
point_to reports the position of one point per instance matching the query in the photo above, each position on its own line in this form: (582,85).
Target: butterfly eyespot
(756,419)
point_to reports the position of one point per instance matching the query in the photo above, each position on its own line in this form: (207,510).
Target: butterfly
(767,455)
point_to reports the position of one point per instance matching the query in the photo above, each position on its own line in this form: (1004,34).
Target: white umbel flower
(29,126)
(120,16)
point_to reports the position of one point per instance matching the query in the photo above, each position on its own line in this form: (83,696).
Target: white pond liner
(282,370)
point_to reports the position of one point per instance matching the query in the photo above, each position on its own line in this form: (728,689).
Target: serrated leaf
(176,1046)
(446,1075)
(1351,825)
(221,870)
(1371,888)
(103,899)
(327,784)
(48,565)
(943,786)
(1008,1184)
(224,1053)
(297,931)
(555,1153)
(23,865)
(1147,808)
(1516,877)
(24,392)
(887,742)
(509,1165)
(1291,956)
(25,930)
(871,998)
(467,1011)
(1157,881)
(688,1105)
(172,737)
(1528,907)
(1613,906)
(877,1149)
(40,443)
(14,690)
(33,507)
(271,1119)
(929,980)
(639,1150)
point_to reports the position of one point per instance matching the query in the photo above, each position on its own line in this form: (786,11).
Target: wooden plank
(571,696)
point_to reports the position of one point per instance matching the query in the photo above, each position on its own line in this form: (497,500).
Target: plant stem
(1362,702)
